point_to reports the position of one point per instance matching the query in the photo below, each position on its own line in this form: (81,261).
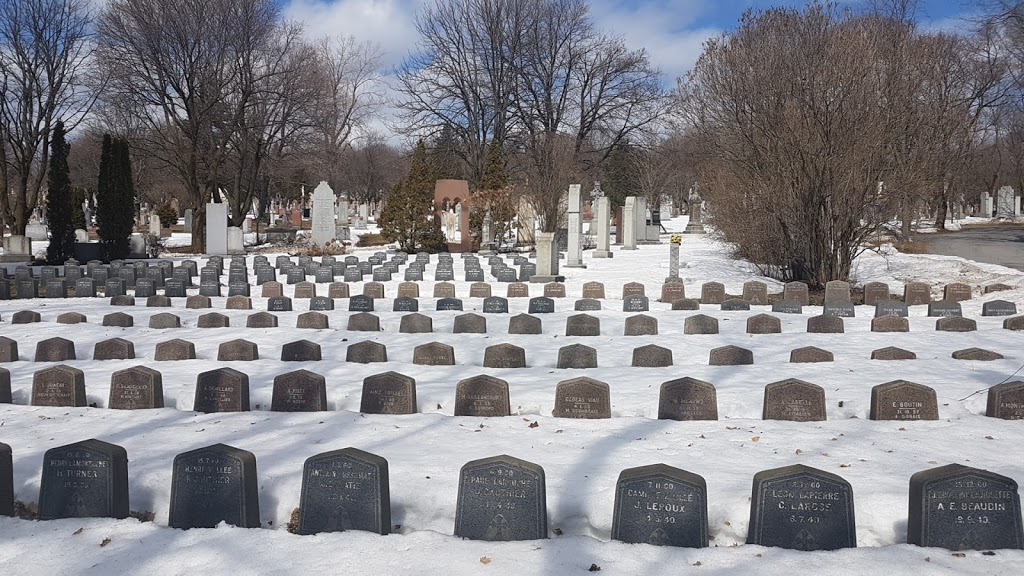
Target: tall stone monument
(694,203)
(323,226)
(1005,203)
(604,216)
(217,229)
(629,223)
(547,259)
(574,258)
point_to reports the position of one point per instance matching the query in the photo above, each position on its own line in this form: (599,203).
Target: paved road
(1003,245)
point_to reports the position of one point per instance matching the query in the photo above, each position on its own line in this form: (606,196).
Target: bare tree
(45,76)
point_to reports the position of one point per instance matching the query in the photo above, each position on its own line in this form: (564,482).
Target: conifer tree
(115,198)
(58,199)
(408,214)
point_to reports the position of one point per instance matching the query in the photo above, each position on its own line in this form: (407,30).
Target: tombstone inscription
(660,505)
(489,509)
(212,485)
(87,479)
(801,508)
(345,489)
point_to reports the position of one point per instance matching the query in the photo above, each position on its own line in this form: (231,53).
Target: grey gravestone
(197,302)
(518,290)
(261,320)
(136,388)
(469,324)
(587,305)
(54,349)
(524,324)
(345,489)
(474,275)
(416,324)
(902,400)
(730,356)
(363,322)
(577,356)
(405,304)
(388,393)
(87,479)
(158,301)
(755,292)
(412,274)
(582,398)
(660,505)
(892,353)
(506,275)
(299,391)
(593,290)
(890,308)
(837,290)
(28,317)
(85,288)
(312,321)
(211,289)
(295,275)
(239,289)
(875,292)
(801,508)
(825,325)
(172,288)
(700,324)
(998,308)
(794,400)
(28,289)
(433,354)
(632,289)
(6,481)
(796,292)
(956,292)
(687,399)
(58,386)
(449,304)
(641,325)
(444,290)
(482,396)
(582,325)
(890,324)
(541,305)
(238,303)
(442,273)
(810,354)
(59,289)
(479,290)
(672,291)
(495,305)
(366,352)
(175,350)
(114,349)
(360,303)
(238,351)
(956,324)
(213,485)
(916,293)
(5,396)
(839,308)
(788,307)
(504,356)
(651,356)
(213,320)
(735,305)
(279,304)
(300,351)
(961,508)
(1015,323)
(337,290)
(764,324)
(944,308)
(114,287)
(635,304)
(488,510)
(8,350)
(222,390)
(1006,401)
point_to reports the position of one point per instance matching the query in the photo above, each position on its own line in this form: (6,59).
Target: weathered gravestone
(651,356)
(890,324)
(6,480)
(825,325)
(444,290)
(810,354)
(730,356)
(388,393)
(687,399)
(221,390)
(469,324)
(366,352)
(433,354)
(213,485)
(416,324)
(71,318)
(337,290)
(158,301)
(541,305)
(891,308)
(554,290)
(903,400)
(312,321)
(482,396)
(837,290)
(174,350)
(660,505)
(577,356)
(582,325)
(87,479)
(672,291)
(876,292)
(641,325)
(479,290)
(916,293)
(632,289)
(272,290)
(998,308)
(518,290)
(119,320)
(25,317)
(794,400)
(524,324)
(300,351)
(593,290)
(956,324)
(892,353)
(136,388)
(489,508)
(238,351)
(801,508)
(114,349)
(1006,401)
(735,305)
(796,292)
(363,322)
(712,293)
(944,308)
(299,391)
(978,354)
(345,489)
(8,350)
(755,292)
(764,324)
(58,386)
(961,508)
(956,292)
(504,356)
(582,398)
(700,324)
(197,302)
(261,320)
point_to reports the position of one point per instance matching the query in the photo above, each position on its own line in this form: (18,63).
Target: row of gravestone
(504,498)
(227,390)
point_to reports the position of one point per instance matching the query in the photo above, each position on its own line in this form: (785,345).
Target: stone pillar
(188,221)
(547,259)
(343,213)
(216,229)
(673,261)
(574,257)
(629,223)
(322,215)
(487,234)
(604,208)
(640,213)
(235,241)
(364,216)
(154,224)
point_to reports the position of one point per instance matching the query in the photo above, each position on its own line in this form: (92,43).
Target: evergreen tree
(444,156)
(77,214)
(495,177)
(58,199)
(115,198)
(408,214)
(621,175)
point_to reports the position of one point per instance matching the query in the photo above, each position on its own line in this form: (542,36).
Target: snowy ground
(581,458)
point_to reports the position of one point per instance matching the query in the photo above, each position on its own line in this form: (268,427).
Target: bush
(168,215)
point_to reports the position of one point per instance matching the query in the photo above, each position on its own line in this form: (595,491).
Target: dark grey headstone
(54,349)
(114,349)
(488,509)
(582,325)
(360,303)
(734,305)
(495,305)
(136,388)
(406,304)
(239,289)
(577,356)
(213,485)
(651,356)
(660,505)
(504,356)
(345,489)
(794,400)
(635,303)
(449,304)
(587,305)
(801,508)
(469,324)
(57,288)
(961,508)
(687,399)
(279,304)
(998,308)
(222,390)
(26,317)
(1006,401)
(8,349)
(6,481)
(58,386)
(903,400)
(366,352)
(582,398)
(388,393)
(416,323)
(506,275)
(700,324)
(300,351)
(788,307)
(541,305)
(5,391)
(524,324)
(209,288)
(944,308)
(890,308)
(433,354)
(85,288)
(87,479)
(299,391)
(176,349)
(840,308)
(482,396)
(641,325)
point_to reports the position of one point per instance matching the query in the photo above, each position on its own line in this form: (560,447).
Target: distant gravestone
(174,350)
(892,353)
(796,292)
(997,288)
(956,324)
(916,293)
(787,307)
(58,386)
(944,308)
(876,292)
(212,485)
(635,303)
(764,324)
(495,305)
(801,508)
(660,505)
(363,322)
(891,308)
(518,290)
(794,400)
(54,349)
(998,308)
(416,324)
(641,325)
(299,391)
(838,308)
(1006,401)
(261,320)
(6,480)
(137,388)
(541,305)
(345,489)
(687,399)
(433,354)
(825,325)
(730,356)
(956,292)
(672,291)
(87,479)
(360,303)
(810,354)
(890,324)
(651,356)
(577,356)
(593,290)
(366,352)
(903,400)
(222,390)
(961,508)
(700,324)
(712,293)
(755,292)
(238,351)
(504,356)
(582,325)
(301,351)
(582,398)
(482,396)
(312,321)
(837,290)
(114,349)
(554,290)
(524,324)
(469,324)
(488,510)
(388,393)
